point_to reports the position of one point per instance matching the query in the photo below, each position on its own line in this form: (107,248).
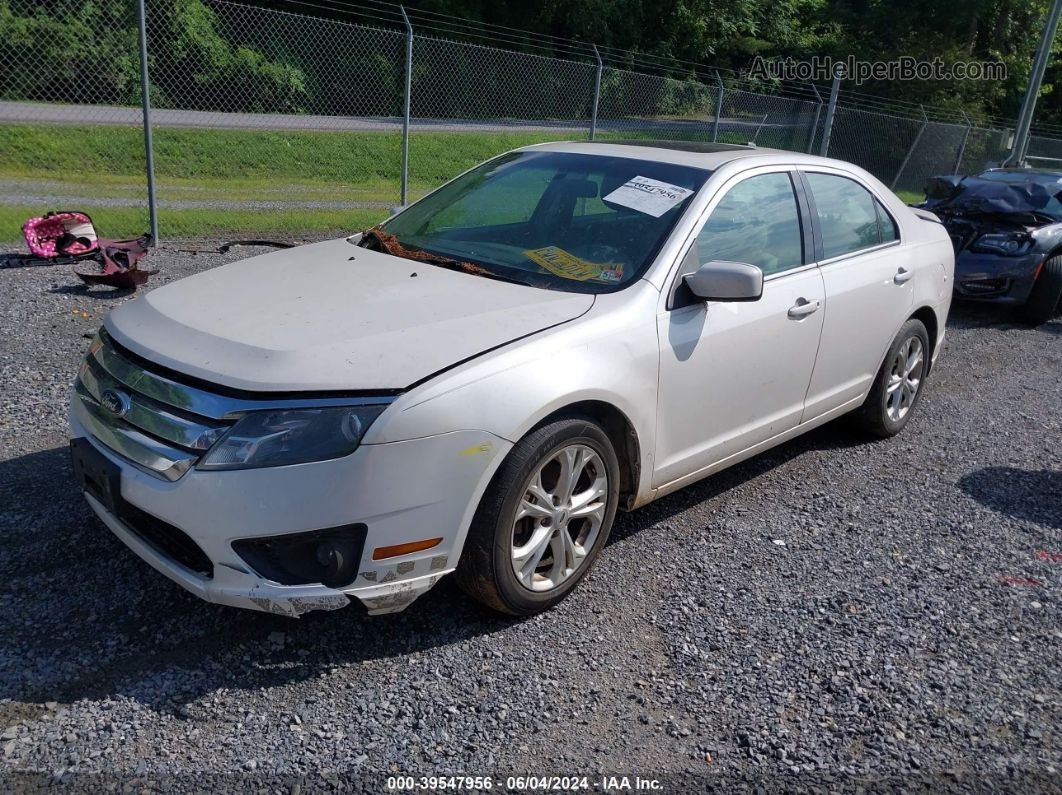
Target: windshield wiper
(376,239)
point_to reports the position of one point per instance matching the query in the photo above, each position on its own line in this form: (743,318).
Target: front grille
(162,421)
(159,424)
(165,539)
(962,233)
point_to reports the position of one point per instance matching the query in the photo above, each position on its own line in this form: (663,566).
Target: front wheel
(898,385)
(1046,293)
(543,520)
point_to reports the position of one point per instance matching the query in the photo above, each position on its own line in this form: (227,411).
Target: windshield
(575,222)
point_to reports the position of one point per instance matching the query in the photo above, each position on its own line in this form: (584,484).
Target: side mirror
(725,281)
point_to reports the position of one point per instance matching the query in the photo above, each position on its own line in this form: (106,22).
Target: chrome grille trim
(165,425)
(149,415)
(150,455)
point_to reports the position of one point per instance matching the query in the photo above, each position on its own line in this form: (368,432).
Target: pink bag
(60,234)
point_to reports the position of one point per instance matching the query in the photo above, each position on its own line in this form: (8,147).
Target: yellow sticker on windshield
(560,262)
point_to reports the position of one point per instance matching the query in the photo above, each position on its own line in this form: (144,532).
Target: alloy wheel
(905,378)
(559,517)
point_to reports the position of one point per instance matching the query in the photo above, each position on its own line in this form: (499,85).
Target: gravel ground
(834,614)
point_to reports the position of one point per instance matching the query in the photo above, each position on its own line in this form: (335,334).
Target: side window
(886,224)
(849,216)
(756,222)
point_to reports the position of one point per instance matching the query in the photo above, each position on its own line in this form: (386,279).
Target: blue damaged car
(1006,227)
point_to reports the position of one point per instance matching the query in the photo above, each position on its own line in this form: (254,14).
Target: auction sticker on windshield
(649,196)
(561,263)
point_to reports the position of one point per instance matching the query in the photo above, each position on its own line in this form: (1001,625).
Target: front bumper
(401,491)
(987,277)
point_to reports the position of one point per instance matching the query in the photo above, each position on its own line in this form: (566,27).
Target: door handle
(803,308)
(902,275)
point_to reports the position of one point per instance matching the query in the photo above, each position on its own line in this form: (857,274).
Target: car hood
(331,316)
(1019,203)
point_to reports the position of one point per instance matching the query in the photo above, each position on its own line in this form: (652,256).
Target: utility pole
(1036,77)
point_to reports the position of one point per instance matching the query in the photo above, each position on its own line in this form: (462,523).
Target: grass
(82,161)
(123,222)
(87,161)
(362,158)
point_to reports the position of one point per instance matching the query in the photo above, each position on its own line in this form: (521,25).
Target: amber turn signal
(380,553)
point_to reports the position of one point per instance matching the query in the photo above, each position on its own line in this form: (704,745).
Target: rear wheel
(898,385)
(544,519)
(1046,293)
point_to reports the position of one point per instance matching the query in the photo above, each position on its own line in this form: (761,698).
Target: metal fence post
(406,109)
(815,123)
(718,106)
(1032,91)
(962,145)
(831,110)
(145,103)
(597,93)
(910,149)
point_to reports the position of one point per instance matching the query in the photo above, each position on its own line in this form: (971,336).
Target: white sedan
(477,385)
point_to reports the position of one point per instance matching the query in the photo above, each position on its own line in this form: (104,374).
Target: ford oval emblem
(117,403)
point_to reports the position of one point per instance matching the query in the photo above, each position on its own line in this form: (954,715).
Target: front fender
(609,355)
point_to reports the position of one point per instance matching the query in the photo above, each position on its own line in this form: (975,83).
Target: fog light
(337,559)
(330,557)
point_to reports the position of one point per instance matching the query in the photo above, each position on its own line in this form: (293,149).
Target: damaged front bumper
(989,277)
(235,585)
(394,490)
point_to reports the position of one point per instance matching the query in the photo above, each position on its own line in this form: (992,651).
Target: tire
(530,482)
(1046,293)
(892,401)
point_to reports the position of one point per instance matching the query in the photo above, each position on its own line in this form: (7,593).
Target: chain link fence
(272,121)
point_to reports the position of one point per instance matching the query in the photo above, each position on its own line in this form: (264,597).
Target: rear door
(868,283)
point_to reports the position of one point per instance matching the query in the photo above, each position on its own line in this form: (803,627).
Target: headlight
(1007,245)
(290,436)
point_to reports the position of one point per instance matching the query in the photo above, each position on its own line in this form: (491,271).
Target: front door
(735,374)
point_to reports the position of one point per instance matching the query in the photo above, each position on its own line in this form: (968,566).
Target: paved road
(162,117)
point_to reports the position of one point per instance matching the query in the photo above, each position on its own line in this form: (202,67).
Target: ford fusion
(478,384)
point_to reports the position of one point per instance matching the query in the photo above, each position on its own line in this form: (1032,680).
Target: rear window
(849,216)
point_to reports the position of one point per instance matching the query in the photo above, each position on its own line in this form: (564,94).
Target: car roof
(1050,172)
(686,153)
